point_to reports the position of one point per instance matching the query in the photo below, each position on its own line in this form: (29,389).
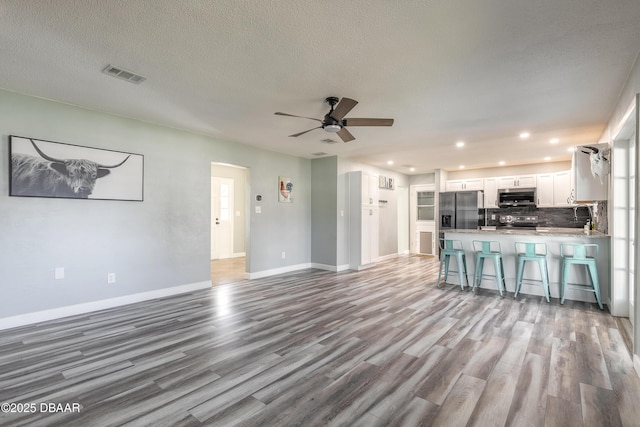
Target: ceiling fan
(334,120)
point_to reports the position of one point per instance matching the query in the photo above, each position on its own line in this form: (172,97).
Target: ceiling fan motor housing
(330,124)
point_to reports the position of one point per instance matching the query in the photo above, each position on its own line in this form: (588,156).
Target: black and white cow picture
(47,176)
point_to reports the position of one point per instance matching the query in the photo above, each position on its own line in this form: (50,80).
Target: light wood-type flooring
(381,347)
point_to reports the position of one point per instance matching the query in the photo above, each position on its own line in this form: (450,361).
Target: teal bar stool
(580,254)
(489,249)
(529,251)
(448,249)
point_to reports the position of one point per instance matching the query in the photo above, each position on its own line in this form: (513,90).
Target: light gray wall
(324,205)
(239,177)
(159,243)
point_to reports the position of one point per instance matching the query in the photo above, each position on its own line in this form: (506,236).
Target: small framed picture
(285,189)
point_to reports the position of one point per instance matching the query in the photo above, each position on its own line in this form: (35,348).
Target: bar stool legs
(484,251)
(526,251)
(577,254)
(448,249)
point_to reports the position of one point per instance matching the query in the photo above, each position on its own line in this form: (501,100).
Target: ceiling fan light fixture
(332,128)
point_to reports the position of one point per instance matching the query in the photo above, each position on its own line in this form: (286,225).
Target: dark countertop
(540,231)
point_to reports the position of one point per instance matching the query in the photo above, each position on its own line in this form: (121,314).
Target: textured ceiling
(445,70)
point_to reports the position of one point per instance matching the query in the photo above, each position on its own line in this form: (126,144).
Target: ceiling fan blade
(302,133)
(345,135)
(302,117)
(344,106)
(368,122)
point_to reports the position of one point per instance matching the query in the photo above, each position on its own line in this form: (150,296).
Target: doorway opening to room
(229,213)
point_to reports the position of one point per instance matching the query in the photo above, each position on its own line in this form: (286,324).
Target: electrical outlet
(493,217)
(58,273)
(111,278)
(284,255)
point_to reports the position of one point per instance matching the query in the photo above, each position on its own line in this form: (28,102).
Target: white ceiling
(480,71)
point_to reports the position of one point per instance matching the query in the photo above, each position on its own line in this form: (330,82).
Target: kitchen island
(553,237)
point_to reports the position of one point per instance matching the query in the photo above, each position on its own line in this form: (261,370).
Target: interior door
(221,218)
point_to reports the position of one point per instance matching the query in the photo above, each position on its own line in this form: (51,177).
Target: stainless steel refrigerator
(460,210)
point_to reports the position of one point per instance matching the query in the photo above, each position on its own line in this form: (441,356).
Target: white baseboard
(290,268)
(342,267)
(72,310)
(275,271)
(238,255)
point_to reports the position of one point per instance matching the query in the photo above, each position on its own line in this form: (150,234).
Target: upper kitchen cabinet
(491,192)
(517,181)
(554,189)
(562,189)
(544,191)
(587,185)
(464,184)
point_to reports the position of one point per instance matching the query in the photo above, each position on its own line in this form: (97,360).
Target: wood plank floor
(382,347)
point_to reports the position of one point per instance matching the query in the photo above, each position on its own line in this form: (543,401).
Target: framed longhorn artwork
(41,168)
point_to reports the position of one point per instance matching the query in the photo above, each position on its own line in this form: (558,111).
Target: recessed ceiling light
(501,162)
(546,159)
(525,135)
(461,166)
(460,144)
(390,162)
(412,169)
(554,140)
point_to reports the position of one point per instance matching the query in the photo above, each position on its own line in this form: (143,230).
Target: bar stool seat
(580,254)
(489,249)
(532,251)
(448,249)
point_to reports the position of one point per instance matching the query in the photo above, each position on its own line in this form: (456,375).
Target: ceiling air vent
(328,141)
(319,154)
(123,74)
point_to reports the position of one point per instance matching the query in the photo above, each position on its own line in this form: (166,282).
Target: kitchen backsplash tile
(554,217)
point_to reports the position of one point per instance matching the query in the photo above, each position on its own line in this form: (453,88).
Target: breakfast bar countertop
(539,231)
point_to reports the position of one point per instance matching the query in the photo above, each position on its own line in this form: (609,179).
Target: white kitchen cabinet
(587,187)
(370,189)
(369,235)
(544,190)
(562,189)
(522,181)
(491,192)
(464,184)
(363,220)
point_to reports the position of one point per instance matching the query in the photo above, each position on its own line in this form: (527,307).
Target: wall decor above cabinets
(385,182)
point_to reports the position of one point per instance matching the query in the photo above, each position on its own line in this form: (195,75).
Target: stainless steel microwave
(511,197)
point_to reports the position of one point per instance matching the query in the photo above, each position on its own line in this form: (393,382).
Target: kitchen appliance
(521,222)
(512,197)
(459,209)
